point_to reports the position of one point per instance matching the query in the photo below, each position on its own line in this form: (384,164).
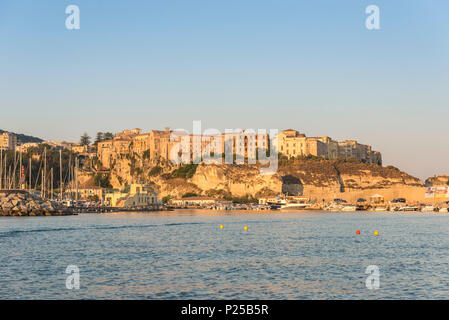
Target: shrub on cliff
(189,194)
(185,171)
(103,180)
(155,171)
(146,154)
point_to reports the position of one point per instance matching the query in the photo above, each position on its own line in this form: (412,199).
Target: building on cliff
(8,141)
(168,144)
(135,195)
(293,144)
(87,193)
(163,144)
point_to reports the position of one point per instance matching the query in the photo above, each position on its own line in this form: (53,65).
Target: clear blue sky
(309,65)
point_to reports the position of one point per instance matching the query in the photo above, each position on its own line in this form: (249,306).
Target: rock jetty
(23,203)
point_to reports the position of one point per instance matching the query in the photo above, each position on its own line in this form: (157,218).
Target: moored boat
(428,209)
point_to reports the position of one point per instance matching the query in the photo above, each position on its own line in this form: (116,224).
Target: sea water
(185,254)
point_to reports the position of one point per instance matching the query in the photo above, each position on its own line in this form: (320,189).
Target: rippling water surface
(185,255)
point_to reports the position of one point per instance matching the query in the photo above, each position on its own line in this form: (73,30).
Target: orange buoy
(357,232)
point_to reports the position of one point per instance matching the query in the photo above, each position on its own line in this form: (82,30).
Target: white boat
(334,207)
(349,208)
(428,209)
(408,208)
(294,205)
(443,210)
(380,209)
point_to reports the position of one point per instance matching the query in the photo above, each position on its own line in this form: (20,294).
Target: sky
(308,65)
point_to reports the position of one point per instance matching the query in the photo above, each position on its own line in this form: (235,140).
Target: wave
(13,233)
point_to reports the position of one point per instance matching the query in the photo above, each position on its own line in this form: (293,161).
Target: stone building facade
(294,144)
(8,141)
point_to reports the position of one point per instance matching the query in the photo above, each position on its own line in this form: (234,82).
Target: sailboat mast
(13,181)
(60,174)
(76,178)
(6,158)
(20,170)
(70,176)
(30,173)
(1,168)
(51,184)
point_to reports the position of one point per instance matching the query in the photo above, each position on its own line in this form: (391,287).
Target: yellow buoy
(376,233)
(245,228)
(221,226)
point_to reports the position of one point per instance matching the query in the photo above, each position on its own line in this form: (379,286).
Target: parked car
(399,200)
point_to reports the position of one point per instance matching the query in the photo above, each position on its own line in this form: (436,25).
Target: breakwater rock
(23,203)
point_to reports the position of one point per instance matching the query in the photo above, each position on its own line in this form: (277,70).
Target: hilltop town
(316,167)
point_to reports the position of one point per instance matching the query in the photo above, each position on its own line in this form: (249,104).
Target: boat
(428,209)
(380,209)
(408,208)
(349,208)
(443,210)
(295,204)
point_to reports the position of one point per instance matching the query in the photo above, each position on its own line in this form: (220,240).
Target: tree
(108,136)
(99,137)
(85,139)
(103,180)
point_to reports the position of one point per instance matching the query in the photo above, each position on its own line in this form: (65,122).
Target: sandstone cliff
(437,180)
(306,176)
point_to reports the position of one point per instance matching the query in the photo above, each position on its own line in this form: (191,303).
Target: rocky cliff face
(438,180)
(293,176)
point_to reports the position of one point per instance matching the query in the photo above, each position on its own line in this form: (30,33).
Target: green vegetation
(243,199)
(93,198)
(22,138)
(216,193)
(189,194)
(146,154)
(108,136)
(98,138)
(185,171)
(155,171)
(103,180)
(85,139)
(166,199)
